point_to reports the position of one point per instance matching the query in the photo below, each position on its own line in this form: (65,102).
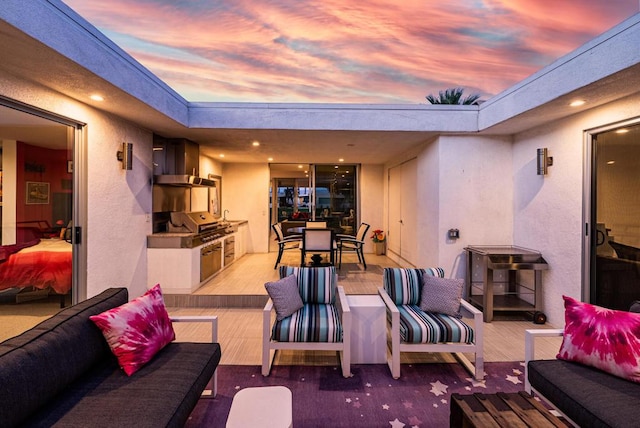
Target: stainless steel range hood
(176,163)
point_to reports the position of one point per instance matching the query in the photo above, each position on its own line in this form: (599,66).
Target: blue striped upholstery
(317,284)
(420,327)
(404,285)
(312,323)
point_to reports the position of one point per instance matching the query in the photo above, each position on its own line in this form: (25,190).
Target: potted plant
(378,237)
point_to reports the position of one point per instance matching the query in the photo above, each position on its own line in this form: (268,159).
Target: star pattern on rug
(517,372)
(385,407)
(407,404)
(414,421)
(477,383)
(396,423)
(438,388)
(513,379)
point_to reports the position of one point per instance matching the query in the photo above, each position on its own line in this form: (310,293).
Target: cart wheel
(539,317)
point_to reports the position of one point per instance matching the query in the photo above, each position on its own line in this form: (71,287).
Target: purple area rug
(371,398)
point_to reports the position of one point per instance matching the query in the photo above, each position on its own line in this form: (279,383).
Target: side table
(266,406)
(368,329)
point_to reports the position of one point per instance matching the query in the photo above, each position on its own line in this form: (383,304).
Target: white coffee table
(368,329)
(266,406)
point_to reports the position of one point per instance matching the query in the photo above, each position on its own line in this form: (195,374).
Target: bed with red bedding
(44,265)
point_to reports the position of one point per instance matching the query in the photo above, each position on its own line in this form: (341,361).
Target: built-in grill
(189,230)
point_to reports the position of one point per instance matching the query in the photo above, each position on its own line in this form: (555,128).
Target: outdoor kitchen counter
(177,270)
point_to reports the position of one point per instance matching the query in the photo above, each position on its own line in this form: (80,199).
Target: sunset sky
(347,51)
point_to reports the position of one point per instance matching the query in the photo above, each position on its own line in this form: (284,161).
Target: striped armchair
(412,330)
(323,323)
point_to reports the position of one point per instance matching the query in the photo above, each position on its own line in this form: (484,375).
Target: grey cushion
(590,397)
(441,295)
(285,295)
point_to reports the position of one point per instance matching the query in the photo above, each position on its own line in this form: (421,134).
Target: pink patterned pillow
(137,330)
(603,338)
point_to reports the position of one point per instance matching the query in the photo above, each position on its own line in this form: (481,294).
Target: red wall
(41,165)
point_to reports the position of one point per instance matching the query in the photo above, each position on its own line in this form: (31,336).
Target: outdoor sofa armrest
(530,351)
(212,389)
(342,303)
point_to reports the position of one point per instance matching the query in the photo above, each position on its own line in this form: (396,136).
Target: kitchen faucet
(224,215)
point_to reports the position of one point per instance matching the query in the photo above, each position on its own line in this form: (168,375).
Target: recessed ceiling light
(577,103)
(300,166)
(622,131)
(340,160)
(270,159)
(255,143)
(96,97)
(336,167)
(221,155)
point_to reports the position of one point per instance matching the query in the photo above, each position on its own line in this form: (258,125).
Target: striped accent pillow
(312,323)
(317,284)
(404,284)
(417,326)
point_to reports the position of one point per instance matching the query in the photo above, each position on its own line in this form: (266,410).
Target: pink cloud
(347,50)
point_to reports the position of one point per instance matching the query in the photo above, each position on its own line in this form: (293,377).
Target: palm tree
(453,96)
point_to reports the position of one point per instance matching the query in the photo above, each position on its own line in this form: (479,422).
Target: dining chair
(316,224)
(353,244)
(317,241)
(291,242)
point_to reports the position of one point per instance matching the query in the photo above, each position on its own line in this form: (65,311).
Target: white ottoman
(267,406)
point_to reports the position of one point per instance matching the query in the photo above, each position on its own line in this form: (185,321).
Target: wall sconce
(544,161)
(126,156)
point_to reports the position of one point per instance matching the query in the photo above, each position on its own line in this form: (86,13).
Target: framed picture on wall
(37,192)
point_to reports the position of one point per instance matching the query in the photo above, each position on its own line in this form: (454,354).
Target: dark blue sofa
(587,396)
(62,373)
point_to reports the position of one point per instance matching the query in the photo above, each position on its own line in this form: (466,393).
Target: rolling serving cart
(505,278)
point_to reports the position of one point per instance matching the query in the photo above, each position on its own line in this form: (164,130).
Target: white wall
(245,193)
(464,182)
(371,200)
(208,166)
(548,212)
(475,196)
(117,201)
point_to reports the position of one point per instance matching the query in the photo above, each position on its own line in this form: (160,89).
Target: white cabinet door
(402,210)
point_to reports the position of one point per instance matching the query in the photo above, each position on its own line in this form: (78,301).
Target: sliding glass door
(615,218)
(36,215)
(315,192)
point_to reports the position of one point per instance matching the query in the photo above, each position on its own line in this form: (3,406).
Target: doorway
(302,192)
(403,182)
(614,250)
(37,194)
